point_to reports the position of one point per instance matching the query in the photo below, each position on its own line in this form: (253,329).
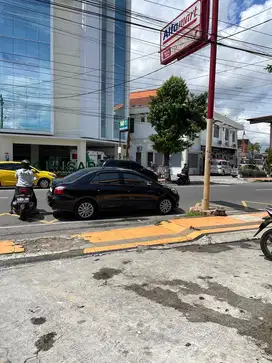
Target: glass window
(107,178)
(233,136)
(136,166)
(142,119)
(216,131)
(5,166)
(133,179)
(25,65)
(123,164)
(193,160)
(16,166)
(227,134)
(78,174)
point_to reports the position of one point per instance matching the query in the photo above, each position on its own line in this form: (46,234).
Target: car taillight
(23,190)
(59,190)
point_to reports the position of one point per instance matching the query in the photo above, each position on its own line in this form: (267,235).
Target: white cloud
(243,87)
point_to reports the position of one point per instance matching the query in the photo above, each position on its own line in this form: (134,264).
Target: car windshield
(78,174)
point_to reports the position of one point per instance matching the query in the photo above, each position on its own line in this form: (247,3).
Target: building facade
(224,144)
(63,68)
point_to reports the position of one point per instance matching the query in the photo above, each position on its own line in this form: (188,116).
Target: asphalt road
(237,198)
(211,304)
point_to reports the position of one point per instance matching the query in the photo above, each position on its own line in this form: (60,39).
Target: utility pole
(210,115)
(2,112)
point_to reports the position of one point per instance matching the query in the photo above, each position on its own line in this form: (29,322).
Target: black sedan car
(130,164)
(89,191)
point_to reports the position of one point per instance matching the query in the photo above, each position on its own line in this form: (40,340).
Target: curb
(204,239)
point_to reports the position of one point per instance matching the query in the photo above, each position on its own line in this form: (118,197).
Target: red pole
(210,114)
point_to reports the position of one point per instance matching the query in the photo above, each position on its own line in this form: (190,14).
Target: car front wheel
(165,206)
(44,183)
(85,210)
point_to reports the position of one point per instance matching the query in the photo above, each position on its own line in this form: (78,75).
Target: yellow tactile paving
(173,227)
(126,233)
(205,221)
(7,247)
(164,241)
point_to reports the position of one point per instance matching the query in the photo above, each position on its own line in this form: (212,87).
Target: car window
(106,178)
(110,163)
(78,174)
(16,166)
(7,166)
(219,163)
(133,179)
(136,166)
(123,164)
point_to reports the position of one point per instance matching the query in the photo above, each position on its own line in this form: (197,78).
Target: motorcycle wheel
(22,214)
(266,239)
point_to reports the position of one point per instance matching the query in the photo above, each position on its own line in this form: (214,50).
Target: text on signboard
(174,27)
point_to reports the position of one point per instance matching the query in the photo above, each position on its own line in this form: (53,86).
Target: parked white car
(220,167)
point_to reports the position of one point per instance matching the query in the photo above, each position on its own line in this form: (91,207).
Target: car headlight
(173,190)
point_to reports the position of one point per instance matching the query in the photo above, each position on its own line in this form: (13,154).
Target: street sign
(123,125)
(186,34)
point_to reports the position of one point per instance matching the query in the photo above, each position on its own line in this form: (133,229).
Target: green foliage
(269,68)
(268,161)
(177,116)
(256,147)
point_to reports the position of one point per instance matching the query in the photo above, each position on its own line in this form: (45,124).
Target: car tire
(44,183)
(165,206)
(86,209)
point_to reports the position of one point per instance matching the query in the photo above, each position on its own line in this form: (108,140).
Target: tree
(177,116)
(269,68)
(256,147)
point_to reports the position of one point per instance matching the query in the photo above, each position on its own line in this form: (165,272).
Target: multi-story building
(224,144)
(64,66)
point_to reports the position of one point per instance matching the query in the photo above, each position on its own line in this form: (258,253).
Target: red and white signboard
(186,34)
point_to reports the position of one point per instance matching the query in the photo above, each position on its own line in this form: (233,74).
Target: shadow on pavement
(234,206)
(126,215)
(39,215)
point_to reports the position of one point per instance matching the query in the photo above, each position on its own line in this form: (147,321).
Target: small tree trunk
(166,159)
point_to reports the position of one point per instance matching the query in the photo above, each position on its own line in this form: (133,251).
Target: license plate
(23,200)
(51,189)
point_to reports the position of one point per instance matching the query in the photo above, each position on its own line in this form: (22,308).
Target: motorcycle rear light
(23,190)
(59,190)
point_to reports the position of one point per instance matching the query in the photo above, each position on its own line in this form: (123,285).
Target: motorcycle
(23,204)
(183,179)
(266,238)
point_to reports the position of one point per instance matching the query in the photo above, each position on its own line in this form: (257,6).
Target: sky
(243,87)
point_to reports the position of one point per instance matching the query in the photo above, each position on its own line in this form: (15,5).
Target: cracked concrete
(159,306)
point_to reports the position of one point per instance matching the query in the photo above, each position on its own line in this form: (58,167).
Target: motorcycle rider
(25,179)
(185,171)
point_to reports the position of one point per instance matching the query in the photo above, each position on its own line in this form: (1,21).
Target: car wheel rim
(269,244)
(44,183)
(165,206)
(85,210)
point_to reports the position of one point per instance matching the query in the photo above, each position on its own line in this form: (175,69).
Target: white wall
(66,69)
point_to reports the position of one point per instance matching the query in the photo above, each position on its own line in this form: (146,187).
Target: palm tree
(254,148)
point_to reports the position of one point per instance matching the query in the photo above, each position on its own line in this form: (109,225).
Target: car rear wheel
(165,206)
(44,183)
(86,209)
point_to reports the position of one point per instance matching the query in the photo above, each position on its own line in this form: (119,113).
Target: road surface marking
(262,190)
(248,201)
(4,197)
(49,222)
(244,203)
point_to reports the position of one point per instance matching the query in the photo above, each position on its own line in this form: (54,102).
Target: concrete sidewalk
(164,233)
